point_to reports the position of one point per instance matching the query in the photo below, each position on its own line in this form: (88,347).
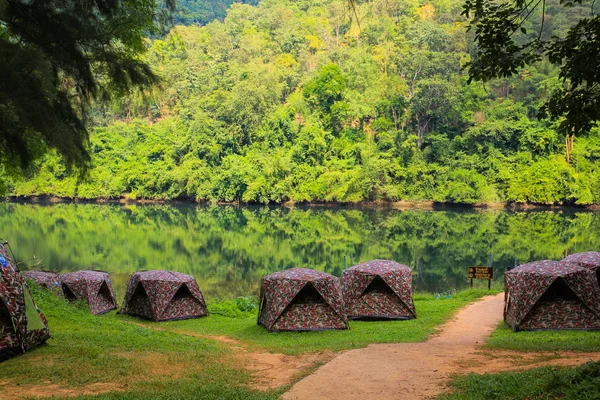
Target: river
(228,249)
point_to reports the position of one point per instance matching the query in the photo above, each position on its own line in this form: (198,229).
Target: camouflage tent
(588,259)
(301,299)
(378,289)
(46,279)
(22,324)
(163,295)
(551,295)
(93,287)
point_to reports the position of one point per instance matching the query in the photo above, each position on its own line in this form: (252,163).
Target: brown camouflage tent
(588,259)
(378,289)
(22,324)
(93,287)
(162,296)
(301,299)
(551,295)
(46,279)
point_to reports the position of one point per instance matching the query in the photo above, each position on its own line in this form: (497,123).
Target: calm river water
(228,249)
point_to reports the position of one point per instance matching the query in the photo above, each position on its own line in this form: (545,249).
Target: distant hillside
(306,101)
(201,12)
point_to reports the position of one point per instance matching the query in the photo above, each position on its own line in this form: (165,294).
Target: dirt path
(420,370)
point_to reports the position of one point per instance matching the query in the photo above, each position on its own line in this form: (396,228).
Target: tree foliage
(56,57)
(512,35)
(202,12)
(307,101)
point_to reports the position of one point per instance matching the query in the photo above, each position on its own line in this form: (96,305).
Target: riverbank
(400,205)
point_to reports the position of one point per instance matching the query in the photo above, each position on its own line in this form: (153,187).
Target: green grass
(147,360)
(581,383)
(431,313)
(192,388)
(562,340)
(86,349)
(144,362)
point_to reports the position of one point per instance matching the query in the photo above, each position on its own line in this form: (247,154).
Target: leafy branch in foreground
(56,57)
(504,46)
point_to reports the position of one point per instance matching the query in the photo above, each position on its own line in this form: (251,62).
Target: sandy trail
(420,370)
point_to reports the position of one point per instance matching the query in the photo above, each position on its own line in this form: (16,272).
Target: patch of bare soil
(11,391)
(501,360)
(411,371)
(269,370)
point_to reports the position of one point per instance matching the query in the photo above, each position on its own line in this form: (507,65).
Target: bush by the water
(242,307)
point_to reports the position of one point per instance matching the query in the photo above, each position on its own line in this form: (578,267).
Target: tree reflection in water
(228,249)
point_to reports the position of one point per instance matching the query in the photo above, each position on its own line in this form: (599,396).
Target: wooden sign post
(481,273)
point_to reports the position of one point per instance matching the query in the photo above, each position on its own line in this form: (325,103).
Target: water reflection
(228,249)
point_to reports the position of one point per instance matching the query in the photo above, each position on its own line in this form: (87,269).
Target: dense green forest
(229,249)
(309,101)
(201,12)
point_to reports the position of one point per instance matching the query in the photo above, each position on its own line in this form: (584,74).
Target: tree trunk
(572,140)
(569,141)
(395,115)
(568,148)
(421,129)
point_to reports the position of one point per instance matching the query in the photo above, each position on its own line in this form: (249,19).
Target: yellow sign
(481,273)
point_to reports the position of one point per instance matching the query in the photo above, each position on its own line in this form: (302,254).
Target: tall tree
(56,57)
(326,93)
(432,103)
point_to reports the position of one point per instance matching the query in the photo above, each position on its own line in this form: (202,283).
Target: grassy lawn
(431,312)
(87,349)
(141,361)
(582,383)
(564,340)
